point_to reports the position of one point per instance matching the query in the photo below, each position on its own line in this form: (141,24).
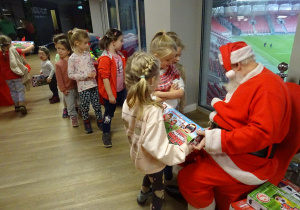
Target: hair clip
(106,35)
(143,76)
(115,33)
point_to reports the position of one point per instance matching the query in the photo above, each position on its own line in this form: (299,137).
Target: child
(66,85)
(111,78)
(55,40)
(49,73)
(171,86)
(181,69)
(82,69)
(144,125)
(14,71)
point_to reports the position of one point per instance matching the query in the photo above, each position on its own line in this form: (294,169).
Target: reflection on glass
(267,26)
(112,13)
(128,24)
(142,25)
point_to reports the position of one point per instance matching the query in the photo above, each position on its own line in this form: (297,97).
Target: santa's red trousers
(203,180)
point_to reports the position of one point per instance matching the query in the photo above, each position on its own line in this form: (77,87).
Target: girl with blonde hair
(81,68)
(144,125)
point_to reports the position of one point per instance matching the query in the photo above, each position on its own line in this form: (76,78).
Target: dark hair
(57,37)
(110,36)
(66,44)
(45,50)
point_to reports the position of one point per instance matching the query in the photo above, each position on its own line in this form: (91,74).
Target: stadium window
(267,26)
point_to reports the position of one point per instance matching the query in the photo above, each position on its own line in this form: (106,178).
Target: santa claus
(238,154)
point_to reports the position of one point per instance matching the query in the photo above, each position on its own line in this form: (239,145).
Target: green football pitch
(279,52)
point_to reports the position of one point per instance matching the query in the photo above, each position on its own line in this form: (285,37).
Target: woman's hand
(202,142)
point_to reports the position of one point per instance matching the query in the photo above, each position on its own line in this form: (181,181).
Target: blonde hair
(140,68)
(176,39)
(77,35)
(162,45)
(5,41)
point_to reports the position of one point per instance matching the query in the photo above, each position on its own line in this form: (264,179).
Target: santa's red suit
(253,117)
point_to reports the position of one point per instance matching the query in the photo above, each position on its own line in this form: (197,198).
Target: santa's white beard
(234,82)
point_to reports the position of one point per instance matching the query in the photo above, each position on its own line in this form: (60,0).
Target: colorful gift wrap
(180,128)
(268,196)
(38,80)
(240,205)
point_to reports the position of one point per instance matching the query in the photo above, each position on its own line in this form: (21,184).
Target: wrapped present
(240,205)
(268,196)
(180,128)
(38,80)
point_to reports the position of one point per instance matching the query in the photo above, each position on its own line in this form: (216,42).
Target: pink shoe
(74,121)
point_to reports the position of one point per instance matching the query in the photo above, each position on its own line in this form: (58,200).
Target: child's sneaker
(55,99)
(74,121)
(88,126)
(142,197)
(65,113)
(100,124)
(106,140)
(23,110)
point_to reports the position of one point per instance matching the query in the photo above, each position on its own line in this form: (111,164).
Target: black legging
(158,188)
(53,86)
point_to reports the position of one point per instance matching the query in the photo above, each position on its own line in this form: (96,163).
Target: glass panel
(267,26)
(142,25)
(128,24)
(112,13)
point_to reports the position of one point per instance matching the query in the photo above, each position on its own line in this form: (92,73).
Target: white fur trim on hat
(230,74)
(241,54)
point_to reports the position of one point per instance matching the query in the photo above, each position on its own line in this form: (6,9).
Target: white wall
(294,70)
(98,17)
(184,19)
(157,18)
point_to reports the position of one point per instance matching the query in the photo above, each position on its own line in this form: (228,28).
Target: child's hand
(66,92)
(48,80)
(202,142)
(92,75)
(112,99)
(174,86)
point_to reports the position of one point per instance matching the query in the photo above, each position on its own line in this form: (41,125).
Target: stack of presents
(285,196)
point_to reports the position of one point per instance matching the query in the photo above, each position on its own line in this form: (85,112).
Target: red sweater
(61,73)
(107,69)
(6,72)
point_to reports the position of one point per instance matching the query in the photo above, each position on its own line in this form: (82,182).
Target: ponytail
(140,69)
(110,36)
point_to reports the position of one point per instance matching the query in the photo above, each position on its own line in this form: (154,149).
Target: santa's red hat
(232,53)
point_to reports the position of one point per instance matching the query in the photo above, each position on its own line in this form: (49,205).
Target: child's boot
(88,126)
(100,124)
(23,110)
(55,99)
(17,107)
(65,113)
(74,121)
(106,140)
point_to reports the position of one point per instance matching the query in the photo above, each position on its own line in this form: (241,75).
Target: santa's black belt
(263,153)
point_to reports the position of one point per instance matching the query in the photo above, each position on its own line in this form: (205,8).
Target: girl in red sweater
(111,78)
